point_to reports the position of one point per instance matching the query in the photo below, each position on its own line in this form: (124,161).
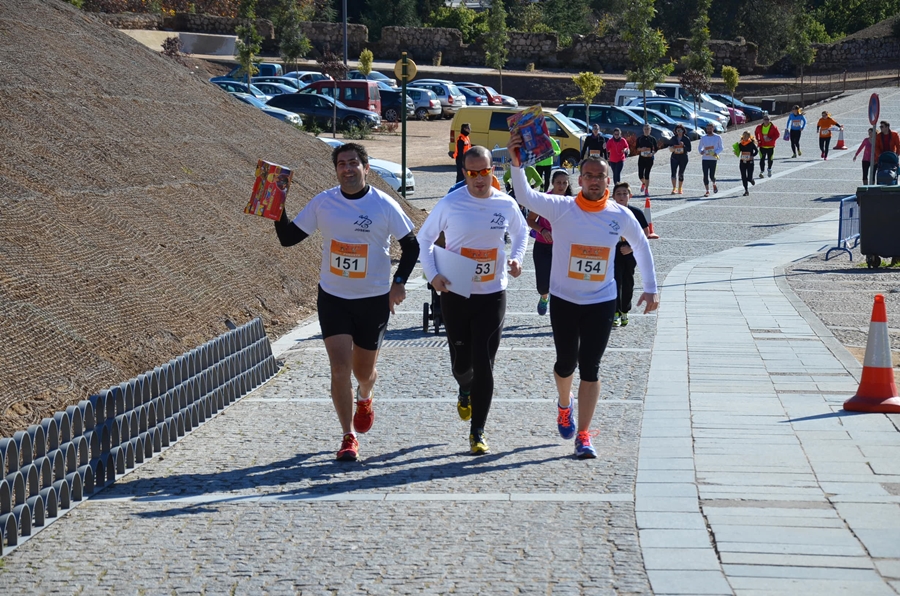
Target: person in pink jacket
(866,148)
(766,135)
(617,147)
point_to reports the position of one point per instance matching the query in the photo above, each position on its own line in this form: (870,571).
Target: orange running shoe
(364,416)
(349,448)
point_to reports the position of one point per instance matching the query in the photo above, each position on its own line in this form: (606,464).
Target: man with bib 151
(356,293)
(586,229)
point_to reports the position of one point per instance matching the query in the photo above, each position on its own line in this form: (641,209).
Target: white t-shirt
(356,240)
(475,228)
(584,244)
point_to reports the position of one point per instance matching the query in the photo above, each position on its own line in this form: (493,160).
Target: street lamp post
(345,32)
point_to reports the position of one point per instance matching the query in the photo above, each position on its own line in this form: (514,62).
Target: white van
(629,92)
(676,91)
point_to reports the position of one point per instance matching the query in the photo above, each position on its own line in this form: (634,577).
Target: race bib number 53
(588,263)
(486,269)
(349,260)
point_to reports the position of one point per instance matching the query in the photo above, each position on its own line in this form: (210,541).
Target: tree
(365,62)
(294,44)
(377,15)
(496,53)
(333,66)
(248,44)
(731,78)
(699,56)
(800,47)
(247,9)
(568,18)
(590,86)
(694,82)
(470,23)
(647,47)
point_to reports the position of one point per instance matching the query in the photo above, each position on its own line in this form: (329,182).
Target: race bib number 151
(349,260)
(588,263)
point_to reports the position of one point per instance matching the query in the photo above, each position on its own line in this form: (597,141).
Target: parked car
(681,113)
(320,109)
(356,94)
(611,117)
(626,94)
(372,76)
(233,86)
(677,91)
(494,98)
(264,69)
(289,81)
(448,94)
(283,115)
(388,170)
(660,119)
(273,89)
(392,105)
(427,105)
(677,109)
(752,112)
(489,129)
(474,98)
(308,76)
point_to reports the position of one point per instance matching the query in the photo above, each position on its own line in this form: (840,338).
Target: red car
(494,98)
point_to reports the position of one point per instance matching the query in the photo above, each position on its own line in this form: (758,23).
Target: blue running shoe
(542,305)
(583,447)
(564,422)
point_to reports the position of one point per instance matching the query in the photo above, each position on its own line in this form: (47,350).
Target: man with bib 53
(586,230)
(356,296)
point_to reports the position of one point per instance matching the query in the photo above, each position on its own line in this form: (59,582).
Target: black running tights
(474,326)
(580,334)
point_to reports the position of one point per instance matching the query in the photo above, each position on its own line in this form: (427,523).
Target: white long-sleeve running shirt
(475,228)
(710,146)
(584,244)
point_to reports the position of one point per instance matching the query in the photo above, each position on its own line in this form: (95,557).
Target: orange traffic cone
(877,390)
(649,218)
(840,143)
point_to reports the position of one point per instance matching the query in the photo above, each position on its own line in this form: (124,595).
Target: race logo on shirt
(499,222)
(615,226)
(362,223)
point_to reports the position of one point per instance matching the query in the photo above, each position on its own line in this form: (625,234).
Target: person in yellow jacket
(823,127)
(545,166)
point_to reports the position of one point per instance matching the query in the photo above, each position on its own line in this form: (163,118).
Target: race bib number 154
(588,263)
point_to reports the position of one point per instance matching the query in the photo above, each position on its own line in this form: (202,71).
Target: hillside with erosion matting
(123,241)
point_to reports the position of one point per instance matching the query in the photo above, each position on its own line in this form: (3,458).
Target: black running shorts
(365,319)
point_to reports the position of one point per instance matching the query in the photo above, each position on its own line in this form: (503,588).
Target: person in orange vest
(462,145)
(823,127)
(766,134)
(886,140)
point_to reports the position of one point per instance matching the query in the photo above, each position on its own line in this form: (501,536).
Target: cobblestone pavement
(253,502)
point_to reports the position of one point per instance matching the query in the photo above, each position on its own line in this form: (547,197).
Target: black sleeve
(409,254)
(288,232)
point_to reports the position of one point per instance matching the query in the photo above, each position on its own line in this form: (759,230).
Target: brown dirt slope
(122,239)
(883,28)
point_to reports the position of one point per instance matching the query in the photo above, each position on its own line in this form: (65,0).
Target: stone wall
(324,36)
(192,23)
(856,53)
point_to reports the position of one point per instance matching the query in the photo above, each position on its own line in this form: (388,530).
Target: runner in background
(545,166)
(585,232)
(796,122)
(617,150)
(594,143)
(474,220)
(356,296)
(710,146)
(885,140)
(680,148)
(625,262)
(646,145)
(542,232)
(766,136)
(746,150)
(823,127)
(866,148)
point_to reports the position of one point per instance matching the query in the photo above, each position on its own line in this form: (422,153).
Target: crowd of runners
(585,252)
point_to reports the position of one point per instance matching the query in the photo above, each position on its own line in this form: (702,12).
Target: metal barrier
(53,465)
(848,227)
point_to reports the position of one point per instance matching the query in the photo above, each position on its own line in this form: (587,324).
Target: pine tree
(647,47)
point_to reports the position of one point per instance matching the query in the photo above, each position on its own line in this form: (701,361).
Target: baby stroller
(431,311)
(886,169)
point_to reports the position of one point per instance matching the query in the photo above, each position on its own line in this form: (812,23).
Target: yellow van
(489,128)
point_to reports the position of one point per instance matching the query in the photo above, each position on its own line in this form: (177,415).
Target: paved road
(723,466)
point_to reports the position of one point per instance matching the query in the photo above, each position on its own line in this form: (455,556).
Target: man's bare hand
(651,300)
(440,283)
(397,295)
(515,269)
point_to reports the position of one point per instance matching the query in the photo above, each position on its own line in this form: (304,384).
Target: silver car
(427,104)
(447,92)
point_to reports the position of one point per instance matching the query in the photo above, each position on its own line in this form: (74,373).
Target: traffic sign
(410,70)
(874,109)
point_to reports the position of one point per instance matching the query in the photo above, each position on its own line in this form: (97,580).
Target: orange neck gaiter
(592,206)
